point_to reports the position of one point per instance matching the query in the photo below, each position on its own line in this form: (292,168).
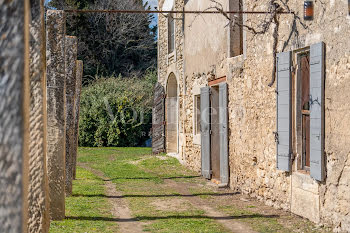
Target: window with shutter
(283,134)
(308,110)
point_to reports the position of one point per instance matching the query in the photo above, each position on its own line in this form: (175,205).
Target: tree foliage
(116,111)
(111,44)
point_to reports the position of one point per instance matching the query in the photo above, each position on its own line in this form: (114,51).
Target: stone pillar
(38,201)
(56,119)
(14,115)
(78,87)
(71,57)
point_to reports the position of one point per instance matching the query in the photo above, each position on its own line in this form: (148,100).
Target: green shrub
(116,111)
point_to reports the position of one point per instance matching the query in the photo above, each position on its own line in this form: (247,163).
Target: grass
(86,214)
(271,224)
(258,222)
(147,183)
(141,178)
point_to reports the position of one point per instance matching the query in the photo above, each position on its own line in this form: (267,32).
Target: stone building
(286,143)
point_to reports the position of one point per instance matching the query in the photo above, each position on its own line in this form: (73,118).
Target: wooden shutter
(223,122)
(158,124)
(205,132)
(283,135)
(317,55)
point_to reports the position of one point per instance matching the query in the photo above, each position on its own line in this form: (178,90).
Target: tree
(111,43)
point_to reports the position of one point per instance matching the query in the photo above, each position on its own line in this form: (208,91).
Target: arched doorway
(171,106)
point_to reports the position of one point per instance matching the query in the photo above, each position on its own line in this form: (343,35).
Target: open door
(214,133)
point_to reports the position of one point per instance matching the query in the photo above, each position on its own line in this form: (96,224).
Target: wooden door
(158,117)
(215,133)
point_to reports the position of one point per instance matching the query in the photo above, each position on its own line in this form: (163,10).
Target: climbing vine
(275,7)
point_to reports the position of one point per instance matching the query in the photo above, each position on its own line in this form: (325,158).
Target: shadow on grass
(157,195)
(152,218)
(152,178)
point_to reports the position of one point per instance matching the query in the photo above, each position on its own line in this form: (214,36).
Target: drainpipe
(184,81)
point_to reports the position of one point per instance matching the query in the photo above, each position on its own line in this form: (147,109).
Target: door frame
(216,83)
(178,110)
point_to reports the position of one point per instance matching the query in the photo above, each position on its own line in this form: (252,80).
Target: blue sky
(153,3)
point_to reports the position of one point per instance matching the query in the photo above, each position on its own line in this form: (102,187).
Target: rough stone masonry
(252,103)
(14,114)
(56,98)
(70,60)
(38,199)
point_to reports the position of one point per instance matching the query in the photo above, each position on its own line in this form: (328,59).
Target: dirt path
(227,221)
(120,208)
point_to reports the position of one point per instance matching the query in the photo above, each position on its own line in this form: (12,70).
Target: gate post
(38,200)
(14,115)
(70,60)
(56,119)
(79,79)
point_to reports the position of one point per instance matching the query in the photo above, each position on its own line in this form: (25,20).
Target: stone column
(78,87)
(56,119)
(14,115)
(71,57)
(38,201)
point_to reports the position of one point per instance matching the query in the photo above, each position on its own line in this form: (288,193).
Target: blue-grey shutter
(205,131)
(284,116)
(317,53)
(223,120)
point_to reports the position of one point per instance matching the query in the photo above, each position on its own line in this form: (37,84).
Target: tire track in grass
(120,208)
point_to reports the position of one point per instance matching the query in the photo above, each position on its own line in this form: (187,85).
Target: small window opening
(197,114)
(236,29)
(171,33)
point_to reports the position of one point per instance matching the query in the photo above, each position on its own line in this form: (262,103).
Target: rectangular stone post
(78,86)
(14,115)
(71,47)
(38,200)
(56,98)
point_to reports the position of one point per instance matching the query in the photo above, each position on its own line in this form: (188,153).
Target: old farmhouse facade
(284,141)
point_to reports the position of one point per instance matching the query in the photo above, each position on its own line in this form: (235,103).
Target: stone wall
(252,105)
(253,116)
(173,63)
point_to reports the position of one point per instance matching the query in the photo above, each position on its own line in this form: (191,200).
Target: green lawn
(140,177)
(150,184)
(86,210)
